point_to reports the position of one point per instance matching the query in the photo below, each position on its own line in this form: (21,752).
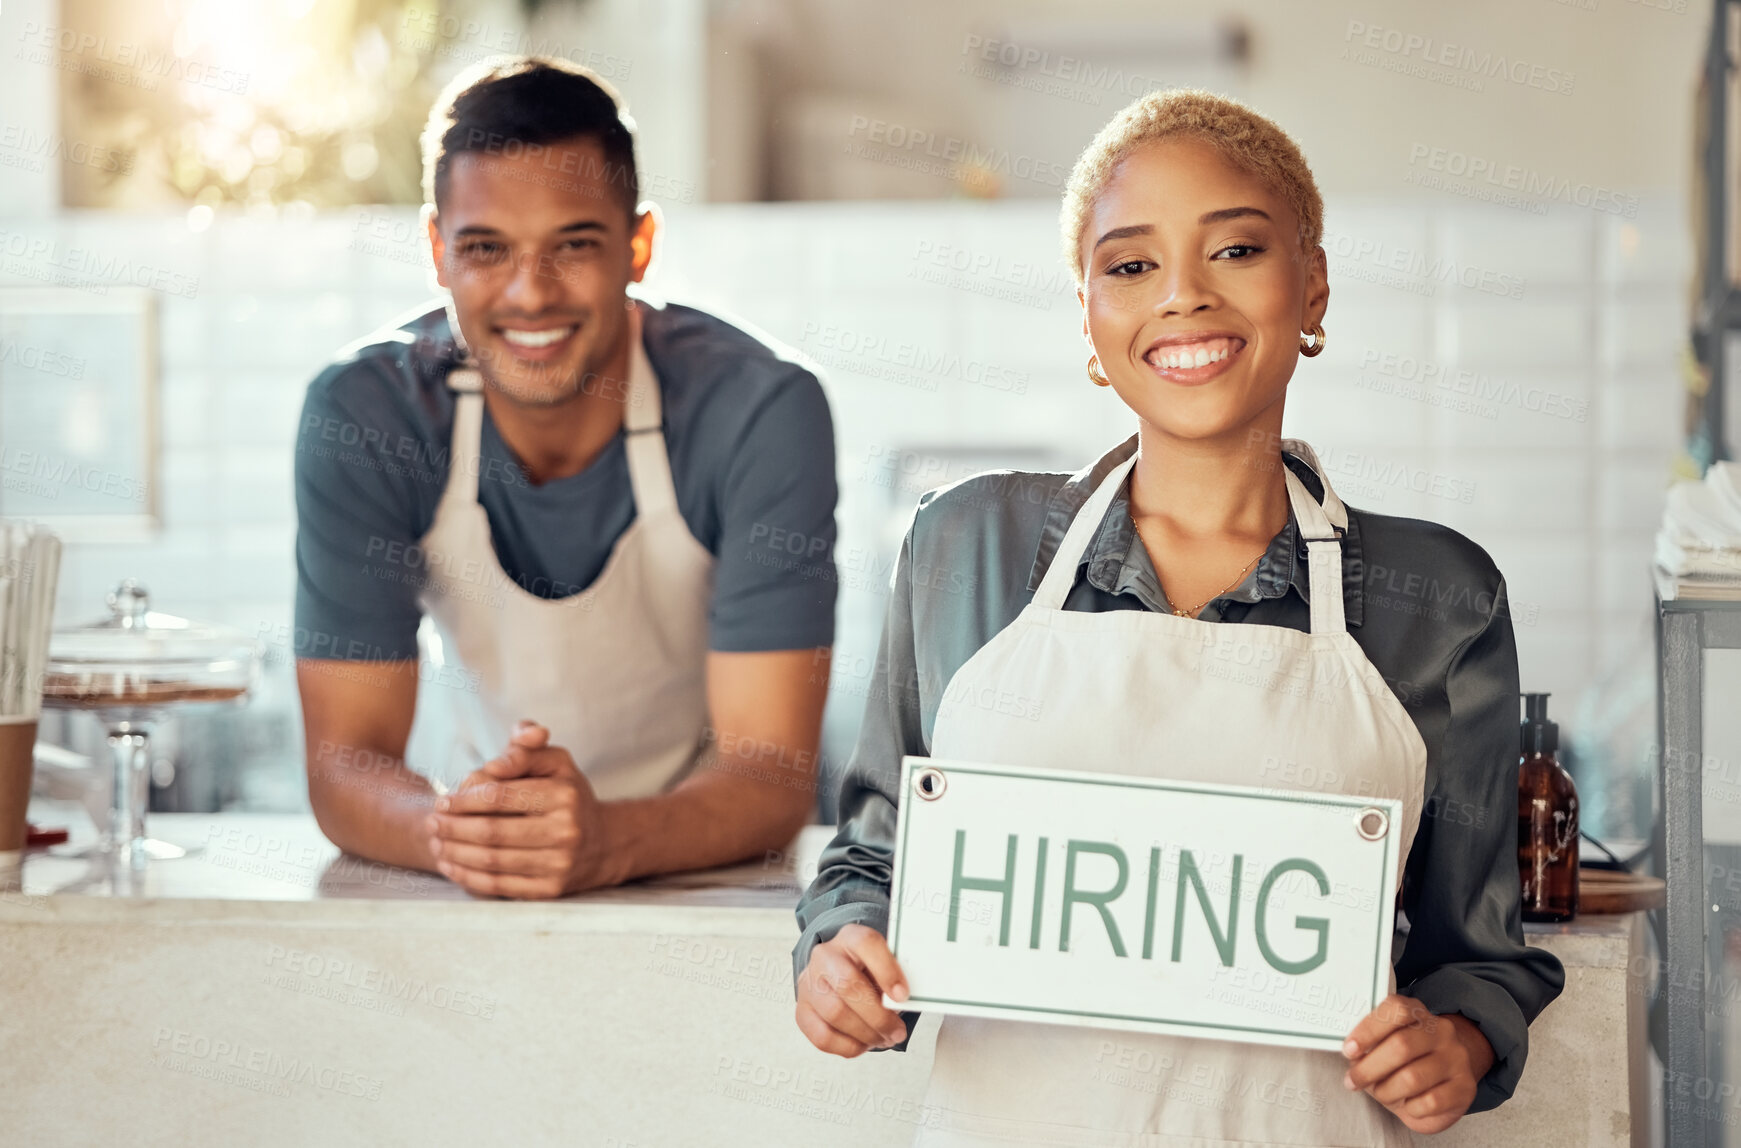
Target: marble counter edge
(1608,947)
(1596,941)
(430,916)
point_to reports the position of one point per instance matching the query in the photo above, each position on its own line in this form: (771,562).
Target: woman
(1193,225)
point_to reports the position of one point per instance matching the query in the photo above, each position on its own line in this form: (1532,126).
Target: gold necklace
(1192,613)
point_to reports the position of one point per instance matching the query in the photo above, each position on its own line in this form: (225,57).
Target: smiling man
(570,497)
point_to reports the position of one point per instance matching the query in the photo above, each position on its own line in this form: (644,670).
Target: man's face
(537,252)
(1182,245)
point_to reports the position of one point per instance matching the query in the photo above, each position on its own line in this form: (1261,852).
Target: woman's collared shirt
(1426,605)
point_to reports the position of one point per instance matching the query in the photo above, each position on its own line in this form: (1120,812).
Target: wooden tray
(1611,891)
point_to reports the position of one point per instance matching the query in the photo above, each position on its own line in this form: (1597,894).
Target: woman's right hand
(840,1005)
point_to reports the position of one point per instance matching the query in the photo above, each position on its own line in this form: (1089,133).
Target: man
(579,494)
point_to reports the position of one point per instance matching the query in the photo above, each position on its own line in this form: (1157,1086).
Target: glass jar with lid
(130,666)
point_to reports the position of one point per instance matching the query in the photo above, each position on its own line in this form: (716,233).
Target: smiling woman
(1218,292)
(1192,226)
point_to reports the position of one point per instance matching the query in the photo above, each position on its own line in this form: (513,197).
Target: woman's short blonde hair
(1248,140)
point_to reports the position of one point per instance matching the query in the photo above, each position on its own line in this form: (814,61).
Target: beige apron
(617,671)
(1247,701)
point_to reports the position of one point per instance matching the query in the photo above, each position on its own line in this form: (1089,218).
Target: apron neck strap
(1332,507)
(1323,556)
(644,429)
(468,426)
(1061,574)
(1316,523)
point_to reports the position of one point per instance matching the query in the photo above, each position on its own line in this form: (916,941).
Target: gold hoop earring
(1095,374)
(1316,347)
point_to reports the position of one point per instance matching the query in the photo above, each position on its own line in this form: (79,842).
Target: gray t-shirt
(752,456)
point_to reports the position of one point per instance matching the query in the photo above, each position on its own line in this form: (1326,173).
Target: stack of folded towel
(1699,545)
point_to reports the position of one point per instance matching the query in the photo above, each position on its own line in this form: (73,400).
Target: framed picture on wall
(78,411)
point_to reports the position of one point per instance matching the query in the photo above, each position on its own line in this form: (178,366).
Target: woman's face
(1196,291)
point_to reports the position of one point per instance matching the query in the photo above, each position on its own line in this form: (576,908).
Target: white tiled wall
(1567,507)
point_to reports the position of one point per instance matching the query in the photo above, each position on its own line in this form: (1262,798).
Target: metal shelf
(1686,628)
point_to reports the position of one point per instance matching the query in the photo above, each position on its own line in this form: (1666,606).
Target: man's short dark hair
(517,106)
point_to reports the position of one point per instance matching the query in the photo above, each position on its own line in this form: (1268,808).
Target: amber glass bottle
(1547,820)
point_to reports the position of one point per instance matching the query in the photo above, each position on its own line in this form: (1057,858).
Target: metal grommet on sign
(929,783)
(1371,823)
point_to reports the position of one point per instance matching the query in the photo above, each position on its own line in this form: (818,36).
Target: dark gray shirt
(751,446)
(1426,605)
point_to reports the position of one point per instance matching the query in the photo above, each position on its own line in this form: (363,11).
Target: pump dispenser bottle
(1547,820)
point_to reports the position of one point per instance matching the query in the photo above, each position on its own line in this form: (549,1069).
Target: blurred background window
(315,102)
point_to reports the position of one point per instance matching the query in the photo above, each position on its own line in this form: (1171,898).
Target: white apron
(1120,686)
(617,671)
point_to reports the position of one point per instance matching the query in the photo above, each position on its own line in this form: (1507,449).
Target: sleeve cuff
(829,922)
(872,914)
(1495,1013)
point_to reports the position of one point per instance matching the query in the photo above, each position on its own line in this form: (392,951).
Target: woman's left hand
(1422,1067)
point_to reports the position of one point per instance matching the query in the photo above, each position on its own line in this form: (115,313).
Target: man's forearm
(713,818)
(379,810)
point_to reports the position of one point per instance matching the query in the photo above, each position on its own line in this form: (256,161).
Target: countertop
(276,866)
(280,865)
(269,990)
